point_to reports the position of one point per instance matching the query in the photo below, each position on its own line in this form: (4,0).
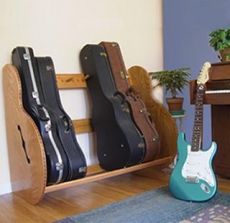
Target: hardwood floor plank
(60,204)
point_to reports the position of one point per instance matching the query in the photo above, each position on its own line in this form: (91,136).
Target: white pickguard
(197,165)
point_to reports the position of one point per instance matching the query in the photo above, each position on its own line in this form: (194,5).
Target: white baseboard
(5,188)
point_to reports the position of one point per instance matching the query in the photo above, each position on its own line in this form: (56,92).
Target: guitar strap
(139,112)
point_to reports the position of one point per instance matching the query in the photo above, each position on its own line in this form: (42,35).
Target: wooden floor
(58,205)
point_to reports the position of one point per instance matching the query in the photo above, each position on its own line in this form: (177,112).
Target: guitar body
(192,178)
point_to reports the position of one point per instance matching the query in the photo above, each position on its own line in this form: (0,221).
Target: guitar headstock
(203,76)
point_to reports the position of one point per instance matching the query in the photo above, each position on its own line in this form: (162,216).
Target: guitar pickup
(192,179)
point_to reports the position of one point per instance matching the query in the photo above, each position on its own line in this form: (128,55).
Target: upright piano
(217,94)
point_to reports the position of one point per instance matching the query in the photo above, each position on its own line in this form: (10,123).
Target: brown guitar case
(165,124)
(139,112)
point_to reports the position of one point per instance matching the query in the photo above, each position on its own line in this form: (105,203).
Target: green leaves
(173,80)
(220,39)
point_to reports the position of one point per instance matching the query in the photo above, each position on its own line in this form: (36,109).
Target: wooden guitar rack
(25,148)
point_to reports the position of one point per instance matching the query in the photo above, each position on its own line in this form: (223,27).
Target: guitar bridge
(192,179)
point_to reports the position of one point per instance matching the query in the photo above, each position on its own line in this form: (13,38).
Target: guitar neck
(198,120)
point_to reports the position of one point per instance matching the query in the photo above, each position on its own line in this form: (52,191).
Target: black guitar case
(119,142)
(65,160)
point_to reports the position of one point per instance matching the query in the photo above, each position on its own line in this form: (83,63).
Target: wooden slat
(106,174)
(82,125)
(71,81)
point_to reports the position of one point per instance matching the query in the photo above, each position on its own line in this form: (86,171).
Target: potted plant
(174,81)
(220,41)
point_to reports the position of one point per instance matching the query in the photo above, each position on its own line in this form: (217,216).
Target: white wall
(61,28)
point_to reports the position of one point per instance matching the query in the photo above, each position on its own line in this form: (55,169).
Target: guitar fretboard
(198,120)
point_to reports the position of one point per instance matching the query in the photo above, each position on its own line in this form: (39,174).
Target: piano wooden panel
(221,135)
(220,114)
(220,71)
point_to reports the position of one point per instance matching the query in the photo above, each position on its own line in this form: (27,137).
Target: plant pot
(175,104)
(225,55)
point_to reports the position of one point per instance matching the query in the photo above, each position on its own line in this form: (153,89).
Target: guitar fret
(197,129)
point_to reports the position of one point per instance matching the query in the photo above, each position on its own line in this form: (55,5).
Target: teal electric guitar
(193,179)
